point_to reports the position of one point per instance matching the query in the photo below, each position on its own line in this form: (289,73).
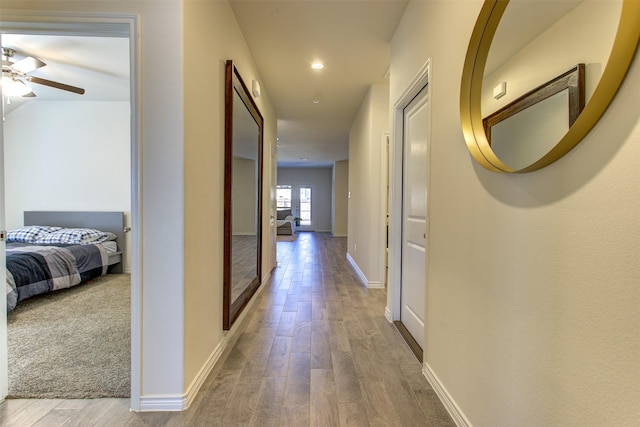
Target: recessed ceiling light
(316,100)
(317,65)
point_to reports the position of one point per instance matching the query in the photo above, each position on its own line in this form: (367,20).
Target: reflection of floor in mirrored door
(243,263)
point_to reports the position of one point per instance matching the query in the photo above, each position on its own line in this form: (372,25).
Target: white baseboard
(171,403)
(181,403)
(446,399)
(387,315)
(163,403)
(359,272)
(362,277)
(197,382)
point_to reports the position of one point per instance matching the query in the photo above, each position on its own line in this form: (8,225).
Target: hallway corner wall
(366,238)
(532,297)
(340,196)
(212,27)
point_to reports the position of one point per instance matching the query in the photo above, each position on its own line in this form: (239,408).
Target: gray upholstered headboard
(104,221)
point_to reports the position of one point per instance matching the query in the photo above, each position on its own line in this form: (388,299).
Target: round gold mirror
(539,74)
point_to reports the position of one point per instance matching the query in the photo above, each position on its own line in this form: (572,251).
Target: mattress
(38,269)
(111,247)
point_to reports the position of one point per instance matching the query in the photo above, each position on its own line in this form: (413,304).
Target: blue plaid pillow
(30,233)
(76,236)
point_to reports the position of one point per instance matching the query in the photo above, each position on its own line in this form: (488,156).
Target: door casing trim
(106,25)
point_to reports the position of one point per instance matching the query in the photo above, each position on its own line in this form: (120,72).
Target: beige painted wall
(340,198)
(212,28)
(366,232)
(182,207)
(358,221)
(532,285)
(162,325)
(62,139)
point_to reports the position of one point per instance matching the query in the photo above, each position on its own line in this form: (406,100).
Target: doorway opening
(100,28)
(299,199)
(305,208)
(385,204)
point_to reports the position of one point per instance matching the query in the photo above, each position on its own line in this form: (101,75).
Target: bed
(285,222)
(57,250)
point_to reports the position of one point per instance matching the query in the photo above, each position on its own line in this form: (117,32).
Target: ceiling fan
(15,74)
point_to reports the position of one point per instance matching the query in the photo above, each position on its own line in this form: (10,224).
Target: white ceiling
(100,65)
(351,37)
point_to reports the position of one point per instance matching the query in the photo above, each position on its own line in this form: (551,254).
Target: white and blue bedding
(40,261)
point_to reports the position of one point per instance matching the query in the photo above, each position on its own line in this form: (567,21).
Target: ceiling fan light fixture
(14,87)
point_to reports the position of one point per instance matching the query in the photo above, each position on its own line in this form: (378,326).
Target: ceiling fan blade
(27,64)
(56,85)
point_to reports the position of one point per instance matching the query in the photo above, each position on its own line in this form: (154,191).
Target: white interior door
(414,216)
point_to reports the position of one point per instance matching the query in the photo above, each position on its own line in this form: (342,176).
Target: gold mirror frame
(622,53)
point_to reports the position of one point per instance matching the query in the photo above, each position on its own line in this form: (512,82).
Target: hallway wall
(182,110)
(532,282)
(212,27)
(160,326)
(340,198)
(366,225)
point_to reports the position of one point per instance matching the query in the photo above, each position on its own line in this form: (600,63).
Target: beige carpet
(73,343)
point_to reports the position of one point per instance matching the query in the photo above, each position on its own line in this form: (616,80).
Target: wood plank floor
(315,350)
